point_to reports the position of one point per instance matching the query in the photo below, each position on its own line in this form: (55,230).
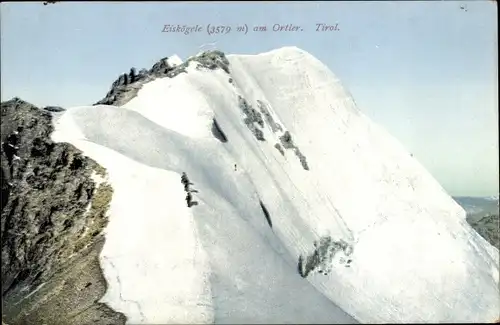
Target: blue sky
(426,71)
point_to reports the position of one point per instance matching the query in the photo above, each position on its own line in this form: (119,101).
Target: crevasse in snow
(303,173)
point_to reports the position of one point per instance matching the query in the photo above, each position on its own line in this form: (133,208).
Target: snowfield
(300,170)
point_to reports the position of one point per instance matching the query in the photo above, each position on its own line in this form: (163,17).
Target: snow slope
(404,250)
(174,60)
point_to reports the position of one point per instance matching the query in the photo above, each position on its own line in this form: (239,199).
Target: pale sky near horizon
(425,71)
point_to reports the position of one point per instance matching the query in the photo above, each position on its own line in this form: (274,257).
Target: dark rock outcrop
(488,227)
(124,88)
(212,60)
(52,217)
(187,188)
(127,85)
(217,132)
(322,257)
(287,142)
(252,118)
(280,149)
(275,127)
(483,215)
(266,214)
(161,68)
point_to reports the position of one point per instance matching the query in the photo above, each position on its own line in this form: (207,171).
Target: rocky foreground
(53,214)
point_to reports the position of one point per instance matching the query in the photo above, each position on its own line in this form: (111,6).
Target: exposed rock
(302,159)
(488,227)
(161,67)
(252,117)
(266,214)
(217,132)
(69,297)
(275,127)
(52,212)
(287,142)
(127,85)
(212,60)
(187,188)
(280,149)
(321,260)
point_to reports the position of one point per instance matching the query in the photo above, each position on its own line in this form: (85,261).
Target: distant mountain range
(483,216)
(478,207)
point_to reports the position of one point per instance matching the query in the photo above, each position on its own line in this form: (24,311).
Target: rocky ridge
(126,86)
(53,211)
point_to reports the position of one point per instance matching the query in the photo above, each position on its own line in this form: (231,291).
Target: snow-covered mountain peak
(174,60)
(289,190)
(290,51)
